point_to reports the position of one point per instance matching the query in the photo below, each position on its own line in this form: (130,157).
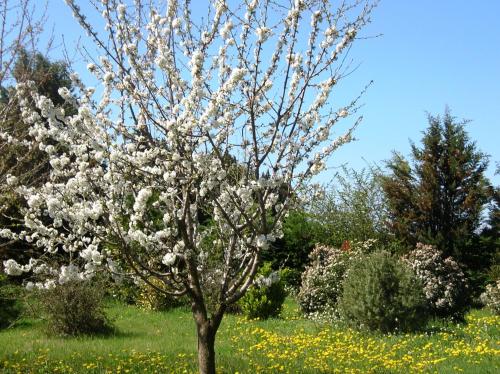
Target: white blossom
(169,259)
(262,242)
(11,180)
(226,29)
(12,267)
(263,33)
(343,113)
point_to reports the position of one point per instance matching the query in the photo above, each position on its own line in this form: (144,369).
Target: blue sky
(430,54)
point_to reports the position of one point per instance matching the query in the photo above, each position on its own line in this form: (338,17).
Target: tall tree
(178,93)
(439,197)
(493,227)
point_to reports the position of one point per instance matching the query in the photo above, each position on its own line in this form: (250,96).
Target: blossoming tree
(181,166)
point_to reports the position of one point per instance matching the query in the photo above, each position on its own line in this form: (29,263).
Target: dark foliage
(301,232)
(10,307)
(439,197)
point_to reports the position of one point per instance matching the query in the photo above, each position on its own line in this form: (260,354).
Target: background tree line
(439,196)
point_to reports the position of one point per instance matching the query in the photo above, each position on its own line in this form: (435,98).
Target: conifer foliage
(438,198)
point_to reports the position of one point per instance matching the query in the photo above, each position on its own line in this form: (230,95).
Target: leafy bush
(381,293)
(445,285)
(149,298)
(300,233)
(353,209)
(265,298)
(9,305)
(491,297)
(75,308)
(322,280)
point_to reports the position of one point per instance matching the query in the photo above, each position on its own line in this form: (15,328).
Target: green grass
(165,342)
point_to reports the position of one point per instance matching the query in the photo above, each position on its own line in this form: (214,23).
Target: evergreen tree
(439,197)
(493,227)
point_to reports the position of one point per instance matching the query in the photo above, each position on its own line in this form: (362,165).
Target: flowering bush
(381,293)
(266,296)
(444,282)
(491,297)
(322,280)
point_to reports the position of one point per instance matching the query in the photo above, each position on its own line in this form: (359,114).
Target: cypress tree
(438,198)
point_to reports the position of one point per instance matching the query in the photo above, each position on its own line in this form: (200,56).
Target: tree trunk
(206,348)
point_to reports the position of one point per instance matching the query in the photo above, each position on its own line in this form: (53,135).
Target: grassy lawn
(165,342)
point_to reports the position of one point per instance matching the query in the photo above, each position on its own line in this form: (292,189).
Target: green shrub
(75,308)
(265,298)
(9,305)
(382,293)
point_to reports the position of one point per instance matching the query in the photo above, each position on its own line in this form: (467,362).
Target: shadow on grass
(110,333)
(119,334)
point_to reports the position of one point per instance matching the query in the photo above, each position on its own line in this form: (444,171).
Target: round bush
(75,308)
(265,298)
(381,293)
(323,278)
(445,285)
